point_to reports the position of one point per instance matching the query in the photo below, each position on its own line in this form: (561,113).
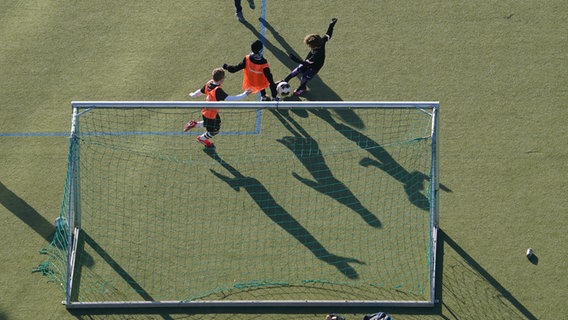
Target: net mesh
(300,204)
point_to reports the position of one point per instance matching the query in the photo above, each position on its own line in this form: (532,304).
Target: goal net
(323,203)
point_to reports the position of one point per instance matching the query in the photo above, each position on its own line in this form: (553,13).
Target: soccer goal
(299,204)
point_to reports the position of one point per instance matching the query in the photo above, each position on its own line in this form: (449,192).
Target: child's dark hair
(313,40)
(218,74)
(256,47)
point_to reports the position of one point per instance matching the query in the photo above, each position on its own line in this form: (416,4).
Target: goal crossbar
(256,105)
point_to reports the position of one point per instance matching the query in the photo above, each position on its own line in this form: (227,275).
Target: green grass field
(499,70)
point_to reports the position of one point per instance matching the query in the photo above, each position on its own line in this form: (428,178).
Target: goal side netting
(299,203)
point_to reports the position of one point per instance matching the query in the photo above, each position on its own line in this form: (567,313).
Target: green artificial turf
(499,70)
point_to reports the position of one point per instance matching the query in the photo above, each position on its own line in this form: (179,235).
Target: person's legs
(239,10)
(299,69)
(213,126)
(303,82)
(307,76)
(238,7)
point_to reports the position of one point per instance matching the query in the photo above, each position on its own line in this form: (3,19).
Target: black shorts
(212,125)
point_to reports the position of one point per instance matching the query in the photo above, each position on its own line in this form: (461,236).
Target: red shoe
(205,142)
(190,125)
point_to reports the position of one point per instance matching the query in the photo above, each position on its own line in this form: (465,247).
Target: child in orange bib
(256,72)
(211,119)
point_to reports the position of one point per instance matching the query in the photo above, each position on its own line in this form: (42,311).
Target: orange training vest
(210,113)
(254,78)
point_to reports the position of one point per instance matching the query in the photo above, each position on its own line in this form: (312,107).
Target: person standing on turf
(314,61)
(211,119)
(256,72)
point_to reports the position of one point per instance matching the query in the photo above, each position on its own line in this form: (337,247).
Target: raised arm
(329,31)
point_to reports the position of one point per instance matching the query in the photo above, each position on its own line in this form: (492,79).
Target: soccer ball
(283,88)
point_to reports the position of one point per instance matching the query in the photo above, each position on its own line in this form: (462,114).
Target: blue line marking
(127,133)
(262,18)
(262,39)
(156,133)
(258,121)
(35,134)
